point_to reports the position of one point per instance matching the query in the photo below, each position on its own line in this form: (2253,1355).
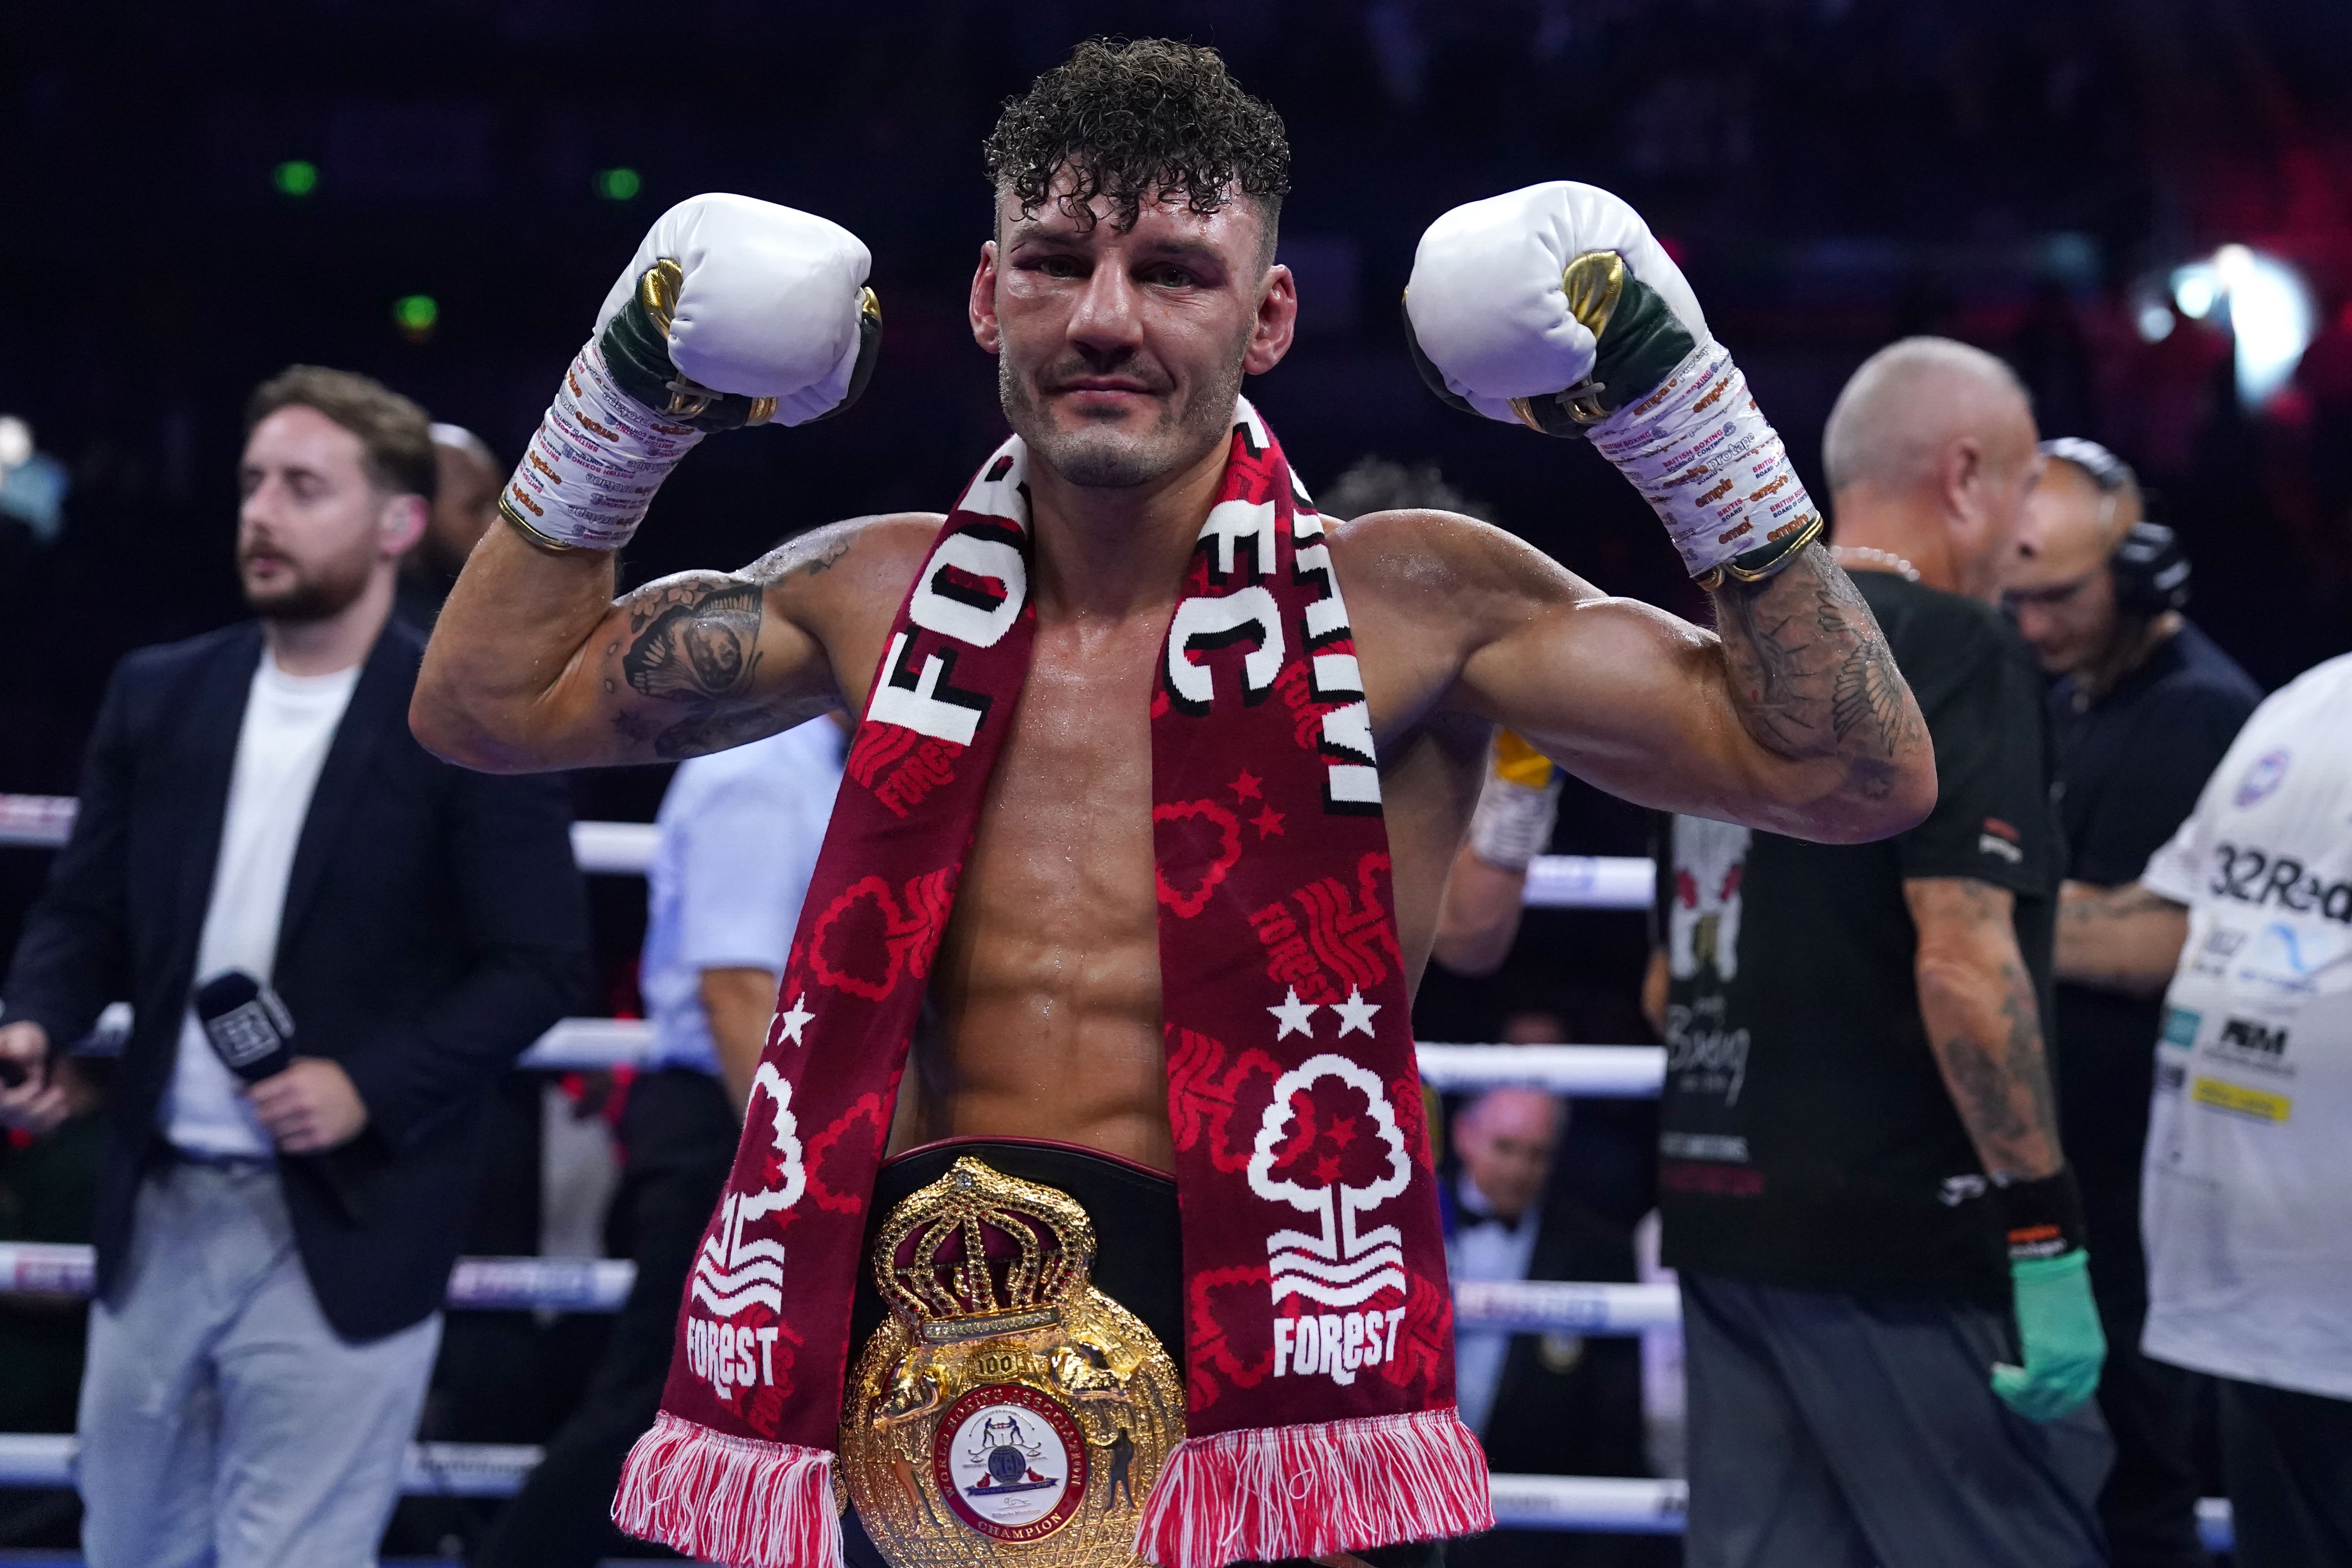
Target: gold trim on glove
(1594,283)
(1712,580)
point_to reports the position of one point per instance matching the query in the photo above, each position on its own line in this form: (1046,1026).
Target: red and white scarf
(1319,1326)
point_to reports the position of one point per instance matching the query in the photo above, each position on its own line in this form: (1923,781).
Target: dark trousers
(680,1133)
(2149,1503)
(2287,1458)
(1833,1431)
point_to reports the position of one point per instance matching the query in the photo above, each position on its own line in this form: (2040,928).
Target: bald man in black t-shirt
(1891,1341)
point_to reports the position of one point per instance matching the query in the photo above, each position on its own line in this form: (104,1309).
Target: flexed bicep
(1792,719)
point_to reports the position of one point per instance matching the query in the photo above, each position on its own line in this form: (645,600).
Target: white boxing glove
(1556,308)
(732,312)
(769,302)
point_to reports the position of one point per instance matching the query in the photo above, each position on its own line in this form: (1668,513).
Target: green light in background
(618,185)
(295,177)
(416,313)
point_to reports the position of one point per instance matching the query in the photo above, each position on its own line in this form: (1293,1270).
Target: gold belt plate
(1006,1411)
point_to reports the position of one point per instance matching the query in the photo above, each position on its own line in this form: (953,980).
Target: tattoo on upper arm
(694,642)
(1812,675)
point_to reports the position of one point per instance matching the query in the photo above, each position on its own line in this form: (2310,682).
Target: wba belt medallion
(1007,1410)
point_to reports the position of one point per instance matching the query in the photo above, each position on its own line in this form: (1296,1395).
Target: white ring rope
(601,1284)
(626,848)
(1626,1505)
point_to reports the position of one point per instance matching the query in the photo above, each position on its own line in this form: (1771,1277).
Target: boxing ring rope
(1581,1503)
(1618,1505)
(625,848)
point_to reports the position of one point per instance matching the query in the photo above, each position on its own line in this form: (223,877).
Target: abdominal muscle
(1044,998)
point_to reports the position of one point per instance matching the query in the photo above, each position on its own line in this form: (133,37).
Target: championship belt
(1006,1410)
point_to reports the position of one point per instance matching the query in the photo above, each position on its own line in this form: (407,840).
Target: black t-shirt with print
(1807,1137)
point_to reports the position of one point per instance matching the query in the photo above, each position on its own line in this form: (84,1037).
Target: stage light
(2195,291)
(2155,322)
(618,185)
(295,177)
(15,443)
(2272,315)
(416,314)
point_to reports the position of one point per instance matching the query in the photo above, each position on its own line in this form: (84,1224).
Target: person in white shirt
(739,834)
(271,1257)
(2247,913)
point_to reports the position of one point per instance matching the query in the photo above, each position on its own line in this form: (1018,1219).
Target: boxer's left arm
(1554,307)
(1792,718)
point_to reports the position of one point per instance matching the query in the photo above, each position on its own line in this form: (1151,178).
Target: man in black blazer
(272,1260)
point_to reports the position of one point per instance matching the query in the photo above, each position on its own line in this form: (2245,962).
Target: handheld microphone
(249,1027)
(253,1034)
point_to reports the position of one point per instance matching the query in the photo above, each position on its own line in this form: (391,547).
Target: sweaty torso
(1043,1018)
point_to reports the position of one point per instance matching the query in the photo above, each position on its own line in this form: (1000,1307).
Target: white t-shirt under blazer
(290,722)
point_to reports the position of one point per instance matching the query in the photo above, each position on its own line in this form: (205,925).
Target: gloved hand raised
(1556,308)
(732,312)
(2058,1328)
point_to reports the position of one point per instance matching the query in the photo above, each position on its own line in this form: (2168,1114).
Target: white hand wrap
(591,468)
(1513,823)
(1707,461)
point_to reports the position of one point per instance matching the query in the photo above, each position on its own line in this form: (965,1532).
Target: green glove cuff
(2058,1330)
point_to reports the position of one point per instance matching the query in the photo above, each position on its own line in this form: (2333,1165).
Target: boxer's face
(313,527)
(1119,353)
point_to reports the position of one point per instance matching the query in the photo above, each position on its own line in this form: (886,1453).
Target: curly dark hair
(1137,121)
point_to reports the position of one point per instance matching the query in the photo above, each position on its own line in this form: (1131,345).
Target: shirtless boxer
(1128,288)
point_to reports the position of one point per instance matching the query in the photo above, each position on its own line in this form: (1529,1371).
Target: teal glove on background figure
(2058,1328)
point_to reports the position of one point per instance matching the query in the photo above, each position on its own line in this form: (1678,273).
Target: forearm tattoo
(2001,1084)
(1812,675)
(1994,1062)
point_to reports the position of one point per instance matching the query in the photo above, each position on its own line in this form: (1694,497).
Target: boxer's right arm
(534,664)
(732,312)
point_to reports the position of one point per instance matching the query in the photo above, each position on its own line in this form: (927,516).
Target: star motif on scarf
(1294,1014)
(1268,822)
(1355,1013)
(792,1021)
(1245,787)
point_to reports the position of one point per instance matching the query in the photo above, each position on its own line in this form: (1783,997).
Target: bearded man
(1144,828)
(273,1246)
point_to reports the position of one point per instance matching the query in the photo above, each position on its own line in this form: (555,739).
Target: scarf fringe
(1265,1493)
(729,1500)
